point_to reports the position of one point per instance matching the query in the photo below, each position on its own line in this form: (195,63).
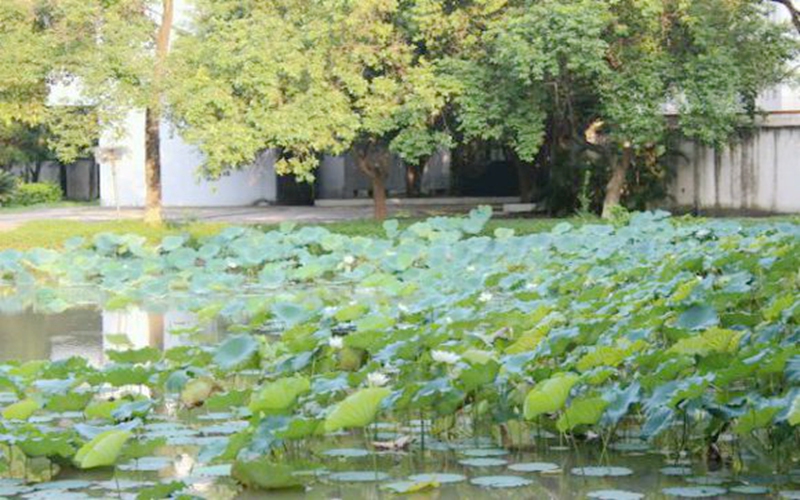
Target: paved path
(235,215)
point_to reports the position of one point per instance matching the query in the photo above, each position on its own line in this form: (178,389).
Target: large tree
(306,78)
(111,52)
(550,70)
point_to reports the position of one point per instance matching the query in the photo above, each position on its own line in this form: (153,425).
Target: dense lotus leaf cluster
(679,332)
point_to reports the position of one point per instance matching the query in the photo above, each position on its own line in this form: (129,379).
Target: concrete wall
(758,173)
(121,159)
(340,177)
(80,176)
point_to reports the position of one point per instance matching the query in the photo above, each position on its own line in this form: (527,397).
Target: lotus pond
(655,358)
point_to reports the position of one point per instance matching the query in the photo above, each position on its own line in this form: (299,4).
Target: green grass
(53,233)
(42,206)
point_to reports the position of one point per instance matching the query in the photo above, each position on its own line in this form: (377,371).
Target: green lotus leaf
(21,410)
(357,410)
(794,412)
(237,352)
(197,391)
(266,475)
(279,395)
(550,395)
(103,450)
(586,411)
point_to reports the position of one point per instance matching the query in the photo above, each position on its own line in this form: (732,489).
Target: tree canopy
(560,85)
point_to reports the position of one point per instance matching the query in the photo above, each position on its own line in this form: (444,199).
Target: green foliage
(678,331)
(550,395)
(585,411)
(357,410)
(22,410)
(103,450)
(332,73)
(8,186)
(280,395)
(548,72)
(197,391)
(266,474)
(36,193)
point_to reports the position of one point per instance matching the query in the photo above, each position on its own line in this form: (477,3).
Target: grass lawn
(41,206)
(53,233)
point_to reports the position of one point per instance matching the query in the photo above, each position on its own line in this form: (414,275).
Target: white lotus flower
(377,379)
(485,297)
(349,260)
(446,357)
(336,342)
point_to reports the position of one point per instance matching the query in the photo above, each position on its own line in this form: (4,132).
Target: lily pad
(749,490)
(500,481)
(483,462)
(484,452)
(694,491)
(534,467)
(438,477)
(676,471)
(601,471)
(65,484)
(123,484)
(706,480)
(614,495)
(405,487)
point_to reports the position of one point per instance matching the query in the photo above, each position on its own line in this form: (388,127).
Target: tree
(524,85)
(25,146)
(550,70)
(305,78)
(113,52)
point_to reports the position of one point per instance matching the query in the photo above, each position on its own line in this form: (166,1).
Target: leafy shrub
(8,185)
(35,193)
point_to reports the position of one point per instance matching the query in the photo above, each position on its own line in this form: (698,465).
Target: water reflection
(89,332)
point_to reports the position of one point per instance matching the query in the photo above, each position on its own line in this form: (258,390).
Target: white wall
(122,175)
(181,185)
(784,97)
(758,173)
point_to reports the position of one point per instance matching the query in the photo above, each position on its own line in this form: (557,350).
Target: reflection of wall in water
(144,329)
(87,332)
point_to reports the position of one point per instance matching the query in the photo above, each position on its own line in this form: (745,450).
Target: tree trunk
(525,177)
(37,171)
(616,184)
(379,197)
(373,158)
(152,163)
(524,174)
(414,179)
(152,168)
